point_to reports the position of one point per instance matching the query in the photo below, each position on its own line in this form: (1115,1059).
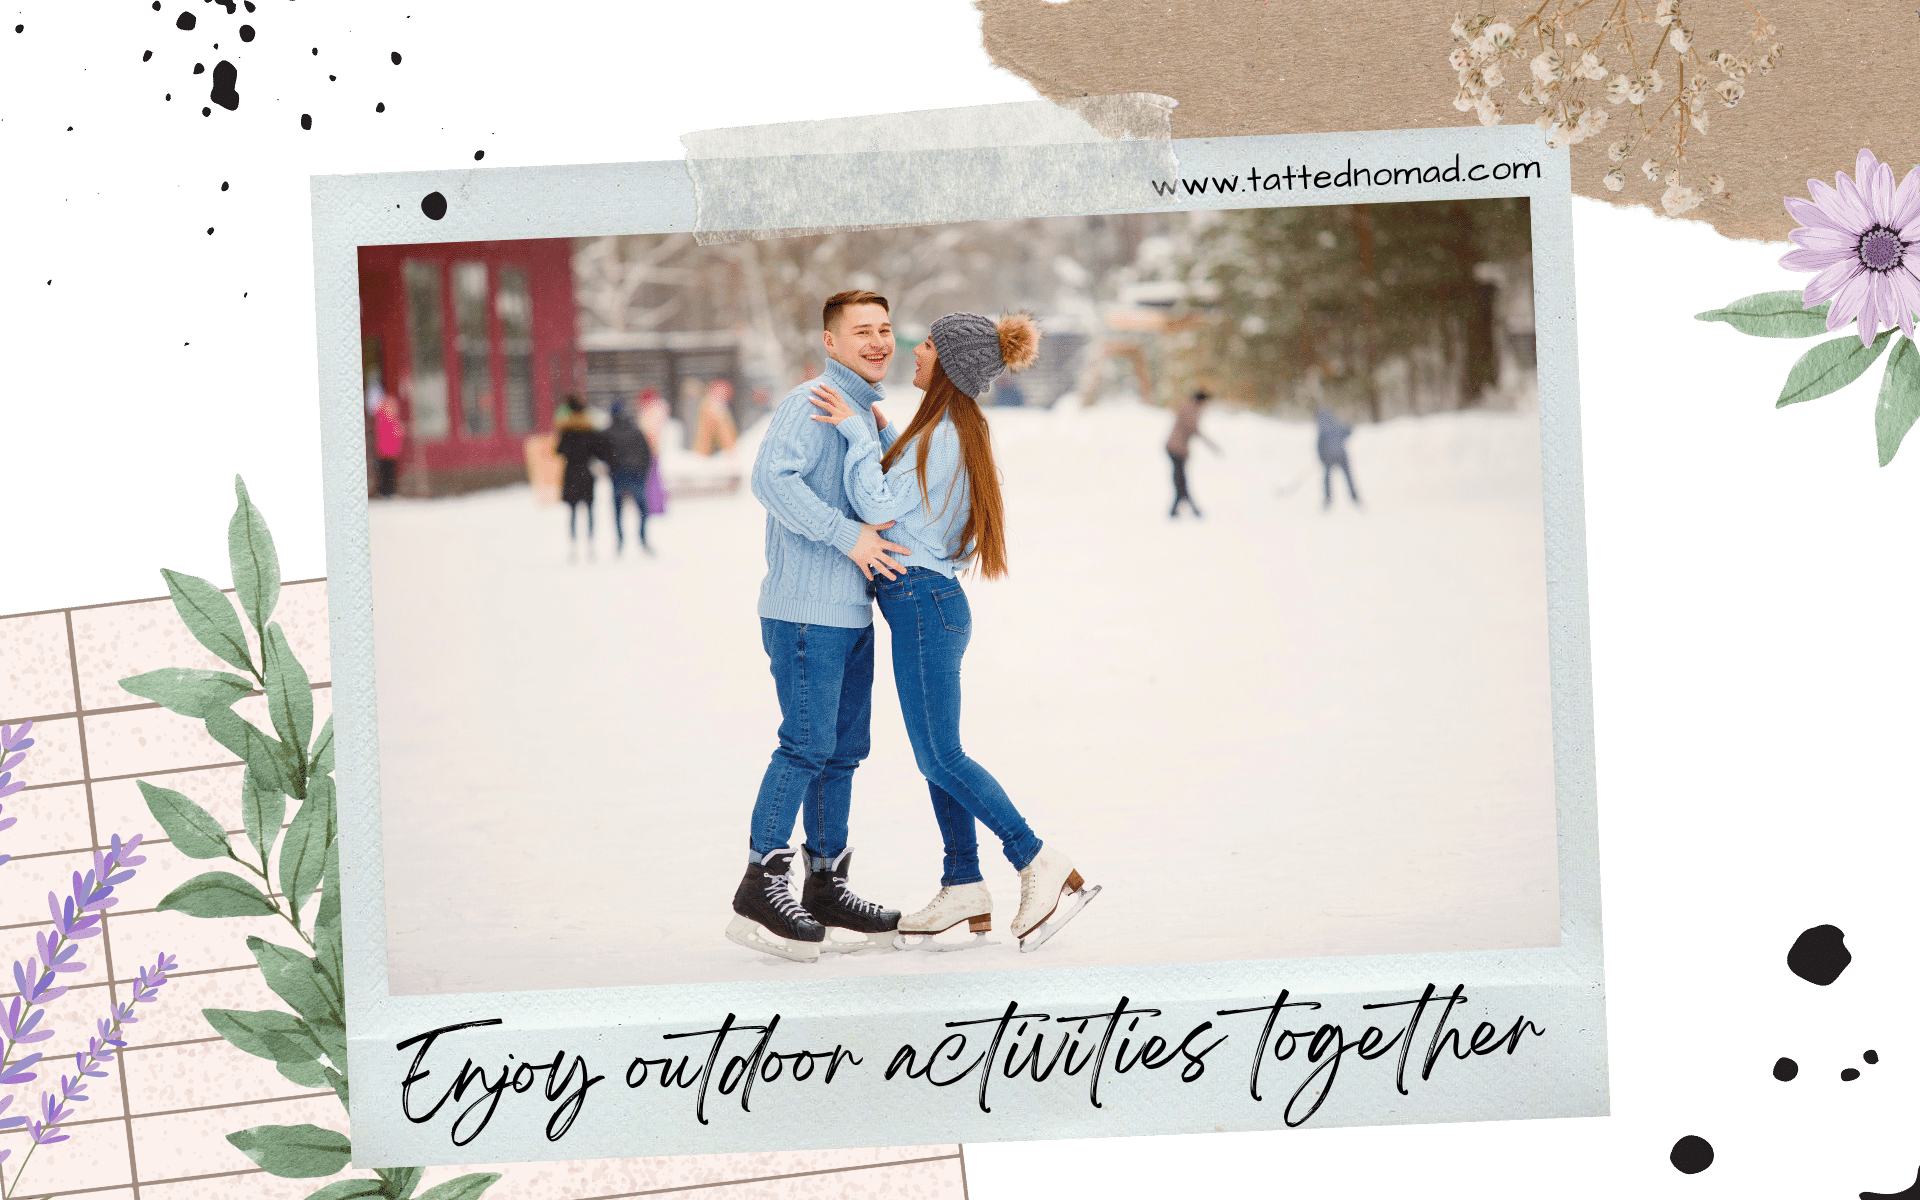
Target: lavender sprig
(90,1063)
(13,747)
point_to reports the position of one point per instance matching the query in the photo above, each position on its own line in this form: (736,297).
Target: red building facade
(477,343)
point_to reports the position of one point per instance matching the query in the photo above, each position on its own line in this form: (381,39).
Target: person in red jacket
(389,437)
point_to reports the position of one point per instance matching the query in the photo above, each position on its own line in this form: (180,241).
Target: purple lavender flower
(1860,236)
(13,746)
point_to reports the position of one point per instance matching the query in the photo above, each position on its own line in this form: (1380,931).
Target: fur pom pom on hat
(974,349)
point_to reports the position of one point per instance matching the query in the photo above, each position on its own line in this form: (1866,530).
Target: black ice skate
(829,901)
(766,916)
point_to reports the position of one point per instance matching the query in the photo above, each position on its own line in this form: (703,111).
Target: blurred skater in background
(1186,427)
(1332,446)
(653,422)
(629,458)
(389,436)
(579,445)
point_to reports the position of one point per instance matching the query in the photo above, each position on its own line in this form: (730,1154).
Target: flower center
(1880,249)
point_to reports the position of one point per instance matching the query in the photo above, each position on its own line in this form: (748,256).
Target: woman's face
(924,356)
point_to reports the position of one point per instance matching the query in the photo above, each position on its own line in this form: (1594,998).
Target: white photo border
(1551,999)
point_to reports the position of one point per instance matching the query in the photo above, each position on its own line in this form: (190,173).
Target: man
(1186,427)
(816,624)
(1332,446)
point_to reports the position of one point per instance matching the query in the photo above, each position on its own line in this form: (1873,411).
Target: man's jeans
(931,624)
(824,677)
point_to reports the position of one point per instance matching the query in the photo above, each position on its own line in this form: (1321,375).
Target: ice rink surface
(1276,732)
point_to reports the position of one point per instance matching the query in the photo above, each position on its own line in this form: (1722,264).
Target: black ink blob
(396,58)
(223,185)
(248,4)
(1912,1193)
(225,74)
(478,155)
(1819,954)
(156,5)
(380,107)
(331,78)
(1871,1057)
(209,231)
(199,68)
(434,205)
(306,120)
(229,5)
(316,51)
(1691,1155)
(246,33)
(205,111)
(147,56)
(1785,1069)
(169,95)
(19,28)
(185,21)
(1849,1075)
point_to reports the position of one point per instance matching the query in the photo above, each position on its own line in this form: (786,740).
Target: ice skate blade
(1059,917)
(750,934)
(881,943)
(927,943)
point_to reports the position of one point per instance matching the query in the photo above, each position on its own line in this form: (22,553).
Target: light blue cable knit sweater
(927,528)
(799,476)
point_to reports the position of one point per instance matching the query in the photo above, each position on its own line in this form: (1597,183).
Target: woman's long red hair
(985,528)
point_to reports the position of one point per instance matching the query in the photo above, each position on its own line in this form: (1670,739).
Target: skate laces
(780,894)
(865,908)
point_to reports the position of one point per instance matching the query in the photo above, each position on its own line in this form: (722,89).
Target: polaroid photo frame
(788,1060)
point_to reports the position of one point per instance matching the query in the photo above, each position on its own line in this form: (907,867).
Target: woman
(579,444)
(939,486)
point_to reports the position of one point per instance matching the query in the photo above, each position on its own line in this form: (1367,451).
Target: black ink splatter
(229,5)
(147,57)
(169,95)
(156,5)
(1785,1069)
(248,4)
(225,74)
(316,51)
(331,78)
(434,205)
(1849,1075)
(205,111)
(478,155)
(246,33)
(396,58)
(19,28)
(1871,1057)
(1912,1193)
(306,120)
(199,68)
(380,107)
(185,21)
(1819,954)
(209,231)
(1691,1155)
(223,185)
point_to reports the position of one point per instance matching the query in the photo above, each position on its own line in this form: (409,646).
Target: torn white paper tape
(955,164)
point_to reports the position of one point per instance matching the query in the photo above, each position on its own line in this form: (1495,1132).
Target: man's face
(861,340)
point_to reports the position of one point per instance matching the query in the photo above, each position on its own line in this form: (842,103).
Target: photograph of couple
(1086,464)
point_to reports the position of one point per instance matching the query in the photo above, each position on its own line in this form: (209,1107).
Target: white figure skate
(967,902)
(1051,894)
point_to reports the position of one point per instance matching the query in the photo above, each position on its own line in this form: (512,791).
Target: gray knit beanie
(974,349)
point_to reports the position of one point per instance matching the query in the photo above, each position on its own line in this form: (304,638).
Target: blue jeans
(931,625)
(625,485)
(824,677)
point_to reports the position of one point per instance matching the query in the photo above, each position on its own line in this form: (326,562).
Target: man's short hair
(840,300)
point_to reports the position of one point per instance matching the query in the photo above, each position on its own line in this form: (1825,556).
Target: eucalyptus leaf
(306,1074)
(1771,314)
(329,915)
(209,617)
(339,1082)
(1829,367)
(466,1187)
(320,762)
(192,829)
(217,894)
(294,1151)
(266,757)
(191,693)
(1899,402)
(400,1180)
(280,1036)
(303,856)
(262,810)
(295,978)
(328,958)
(351,1189)
(256,567)
(289,693)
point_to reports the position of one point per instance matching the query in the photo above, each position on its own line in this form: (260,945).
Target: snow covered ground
(1272,733)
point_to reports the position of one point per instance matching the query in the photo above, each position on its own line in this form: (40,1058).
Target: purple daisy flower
(1860,236)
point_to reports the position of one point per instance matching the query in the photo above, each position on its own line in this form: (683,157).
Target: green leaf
(464,1188)
(350,1189)
(266,757)
(306,1074)
(328,970)
(320,762)
(256,568)
(262,809)
(303,856)
(1829,367)
(1899,399)
(400,1180)
(294,1151)
(273,1034)
(295,978)
(289,693)
(190,693)
(210,618)
(329,915)
(339,1082)
(1771,314)
(193,830)
(217,894)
